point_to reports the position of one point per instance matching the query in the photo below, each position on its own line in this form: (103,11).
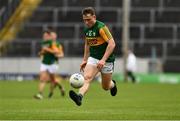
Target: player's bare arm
(50,50)
(106,35)
(61,52)
(86,55)
(109,50)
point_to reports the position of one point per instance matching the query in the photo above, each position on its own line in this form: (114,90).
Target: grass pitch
(133,102)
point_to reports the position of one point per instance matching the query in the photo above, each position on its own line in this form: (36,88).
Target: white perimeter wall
(67,65)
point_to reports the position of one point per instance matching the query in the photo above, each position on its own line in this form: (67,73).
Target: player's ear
(94,16)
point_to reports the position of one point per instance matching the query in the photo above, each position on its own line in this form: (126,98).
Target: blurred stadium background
(154,37)
(154,34)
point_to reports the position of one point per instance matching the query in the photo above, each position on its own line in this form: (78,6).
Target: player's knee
(87,78)
(105,87)
(43,79)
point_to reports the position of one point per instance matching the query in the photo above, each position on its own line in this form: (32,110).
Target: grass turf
(134,102)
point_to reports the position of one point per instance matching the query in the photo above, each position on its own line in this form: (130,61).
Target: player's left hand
(100,64)
(82,66)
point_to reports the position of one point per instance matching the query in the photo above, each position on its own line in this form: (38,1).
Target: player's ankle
(80,96)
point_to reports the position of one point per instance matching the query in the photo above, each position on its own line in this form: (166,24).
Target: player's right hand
(82,66)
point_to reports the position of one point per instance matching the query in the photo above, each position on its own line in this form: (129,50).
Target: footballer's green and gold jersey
(49,58)
(97,37)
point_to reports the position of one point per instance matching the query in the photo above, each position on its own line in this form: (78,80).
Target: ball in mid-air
(76,80)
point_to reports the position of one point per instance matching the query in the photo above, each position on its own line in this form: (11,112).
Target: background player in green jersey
(60,54)
(49,66)
(98,55)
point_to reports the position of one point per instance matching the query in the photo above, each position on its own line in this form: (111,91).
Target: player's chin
(89,25)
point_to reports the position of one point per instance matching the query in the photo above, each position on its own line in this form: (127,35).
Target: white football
(76,80)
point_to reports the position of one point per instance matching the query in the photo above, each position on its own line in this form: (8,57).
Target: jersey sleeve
(105,33)
(54,46)
(57,46)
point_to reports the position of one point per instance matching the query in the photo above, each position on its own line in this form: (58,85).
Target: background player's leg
(59,85)
(52,84)
(42,83)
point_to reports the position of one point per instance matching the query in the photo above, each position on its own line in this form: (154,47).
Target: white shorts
(53,68)
(108,67)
